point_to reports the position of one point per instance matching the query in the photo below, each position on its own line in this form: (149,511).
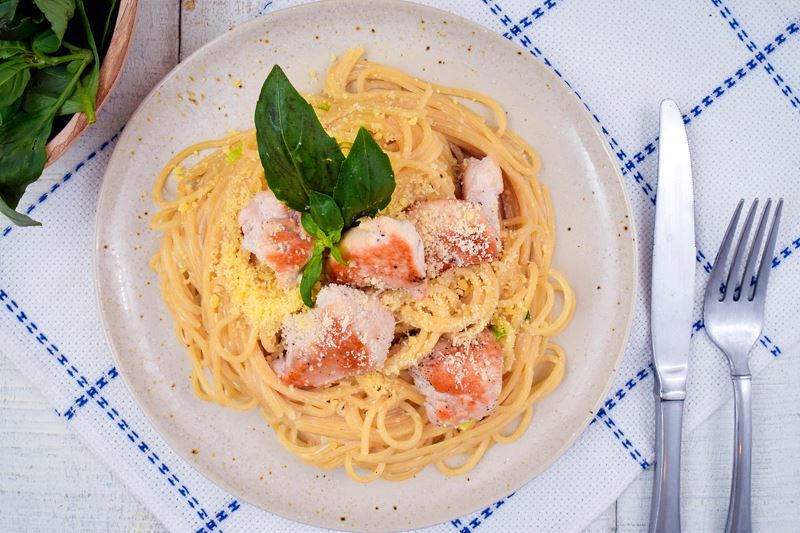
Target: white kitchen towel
(733,66)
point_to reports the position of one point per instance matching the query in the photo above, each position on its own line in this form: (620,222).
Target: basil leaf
(366,180)
(45,43)
(58,13)
(22,156)
(337,255)
(311,274)
(297,155)
(20,28)
(7,10)
(14,76)
(326,214)
(19,219)
(105,39)
(12,48)
(7,112)
(311,227)
(46,86)
(86,88)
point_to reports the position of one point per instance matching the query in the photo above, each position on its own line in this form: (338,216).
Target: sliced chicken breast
(482,183)
(348,332)
(273,234)
(460,383)
(382,252)
(454,233)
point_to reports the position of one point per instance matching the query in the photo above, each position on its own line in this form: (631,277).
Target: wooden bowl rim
(110,72)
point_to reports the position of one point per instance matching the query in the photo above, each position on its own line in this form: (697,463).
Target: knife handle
(739,507)
(665,508)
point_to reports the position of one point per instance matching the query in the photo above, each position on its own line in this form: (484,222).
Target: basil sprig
(306,169)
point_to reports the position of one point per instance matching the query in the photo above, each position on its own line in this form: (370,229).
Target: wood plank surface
(48,477)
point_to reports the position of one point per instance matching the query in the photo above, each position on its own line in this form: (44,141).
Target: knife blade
(672,289)
(672,299)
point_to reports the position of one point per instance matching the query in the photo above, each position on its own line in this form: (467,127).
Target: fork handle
(665,506)
(739,506)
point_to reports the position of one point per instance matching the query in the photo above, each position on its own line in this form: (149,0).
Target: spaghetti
(228,309)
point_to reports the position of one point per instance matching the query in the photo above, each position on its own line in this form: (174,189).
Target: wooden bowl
(110,72)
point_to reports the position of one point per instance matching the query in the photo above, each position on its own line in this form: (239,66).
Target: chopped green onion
(463,426)
(234,153)
(498,331)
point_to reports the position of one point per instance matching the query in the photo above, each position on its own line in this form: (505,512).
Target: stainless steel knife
(672,298)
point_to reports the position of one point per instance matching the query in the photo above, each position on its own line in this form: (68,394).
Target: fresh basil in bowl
(50,57)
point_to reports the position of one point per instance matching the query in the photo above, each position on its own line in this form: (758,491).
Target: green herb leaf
(58,13)
(7,112)
(528,316)
(499,331)
(46,42)
(326,214)
(463,426)
(7,10)
(297,155)
(366,180)
(20,28)
(311,227)
(337,255)
(48,85)
(106,37)
(324,106)
(19,219)
(14,76)
(12,48)
(22,158)
(86,88)
(311,274)
(234,153)
(323,221)
(22,154)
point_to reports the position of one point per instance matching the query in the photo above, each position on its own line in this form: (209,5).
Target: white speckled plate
(595,249)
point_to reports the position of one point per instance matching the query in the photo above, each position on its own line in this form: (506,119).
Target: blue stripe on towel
(112,413)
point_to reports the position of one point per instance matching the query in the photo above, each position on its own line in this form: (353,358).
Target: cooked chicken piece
(348,332)
(383,252)
(482,183)
(455,233)
(273,234)
(460,383)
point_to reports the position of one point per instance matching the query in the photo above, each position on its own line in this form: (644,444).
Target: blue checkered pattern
(733,68)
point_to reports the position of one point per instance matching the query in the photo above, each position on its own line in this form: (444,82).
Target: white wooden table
(50,484)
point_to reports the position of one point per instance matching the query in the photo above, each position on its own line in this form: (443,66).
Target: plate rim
(631,242)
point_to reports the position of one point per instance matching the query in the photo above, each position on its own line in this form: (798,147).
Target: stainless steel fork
(733,313)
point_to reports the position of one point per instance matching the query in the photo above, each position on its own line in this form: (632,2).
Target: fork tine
(749,274)
(738,258)
(718,271)
(760,290)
